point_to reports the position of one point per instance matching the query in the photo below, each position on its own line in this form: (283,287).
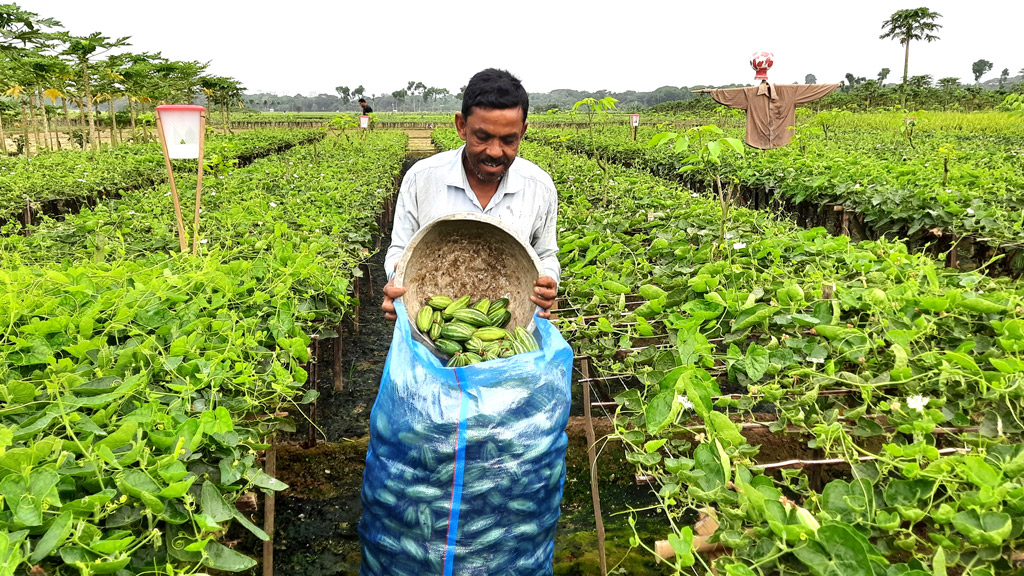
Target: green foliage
(1013,103)
(81,176)
(138,384)
(871,168)
(907,372)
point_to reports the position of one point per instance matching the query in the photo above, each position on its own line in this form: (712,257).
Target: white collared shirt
(526,201)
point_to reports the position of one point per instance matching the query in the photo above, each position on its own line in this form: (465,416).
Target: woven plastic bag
(465,466)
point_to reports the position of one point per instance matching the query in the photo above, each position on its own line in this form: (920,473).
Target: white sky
(306,46)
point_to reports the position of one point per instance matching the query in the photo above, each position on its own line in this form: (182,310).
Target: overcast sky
(306,46)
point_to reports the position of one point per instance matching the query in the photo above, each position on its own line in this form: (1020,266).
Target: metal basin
(473,254)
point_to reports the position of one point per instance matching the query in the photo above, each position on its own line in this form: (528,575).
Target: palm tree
(14,81)
(23,39)
(907,25)
(177,81)
(19,28)
(83,49)
(44,74)
(139,83)
(5,82)
(110,89)
(223,91)
(950,87)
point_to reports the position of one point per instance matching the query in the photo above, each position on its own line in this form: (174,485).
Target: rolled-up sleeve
(405,225)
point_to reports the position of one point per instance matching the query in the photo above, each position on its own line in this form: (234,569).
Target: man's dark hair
(495,89)
(362,100)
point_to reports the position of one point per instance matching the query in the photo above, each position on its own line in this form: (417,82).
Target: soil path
(317,517)
(420,144)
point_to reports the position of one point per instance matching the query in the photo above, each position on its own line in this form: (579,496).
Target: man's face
(492,140)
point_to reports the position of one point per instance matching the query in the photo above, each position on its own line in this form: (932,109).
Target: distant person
(366,107)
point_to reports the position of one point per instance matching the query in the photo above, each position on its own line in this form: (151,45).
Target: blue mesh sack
(465,466)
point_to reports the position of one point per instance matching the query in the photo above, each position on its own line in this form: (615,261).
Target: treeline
(47,72)
(439,100)
(921,94)
(857,94)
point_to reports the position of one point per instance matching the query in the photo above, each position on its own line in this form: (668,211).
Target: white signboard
(364,121)
(181,125)
(634,120)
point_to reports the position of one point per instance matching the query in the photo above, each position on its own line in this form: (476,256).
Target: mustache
(499,160)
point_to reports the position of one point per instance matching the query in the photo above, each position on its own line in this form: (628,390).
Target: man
(366,107)
(483,176)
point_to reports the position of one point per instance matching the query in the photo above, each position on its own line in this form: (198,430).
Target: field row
(904,183)
(72,175)
(715,323)
(140,384)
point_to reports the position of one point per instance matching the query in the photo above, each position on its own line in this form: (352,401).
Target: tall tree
(84,49)
(400,96)
(1003,76)
(344,93)
(224,91)
(20,29)
(24,36)
(177,82)
(950,87)
(979,68)
(110,88)
(882,75)
(46,74)
(810,79)
(139,80)
(869,90)
(908,25)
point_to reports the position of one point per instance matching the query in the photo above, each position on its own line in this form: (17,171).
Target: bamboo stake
(833,461)
(182,238)
(369,279)
(338,379)
(268,515)
(314,377)
(28,217)
(355,311)
(592,456)
(954,261)
(199,181)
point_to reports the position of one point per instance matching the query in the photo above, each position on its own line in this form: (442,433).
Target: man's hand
(545,290)
(390,295)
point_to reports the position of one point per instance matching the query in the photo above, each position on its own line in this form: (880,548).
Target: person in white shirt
(483,176)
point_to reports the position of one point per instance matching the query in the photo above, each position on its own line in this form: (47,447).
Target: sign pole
(174,189)
(199,181)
